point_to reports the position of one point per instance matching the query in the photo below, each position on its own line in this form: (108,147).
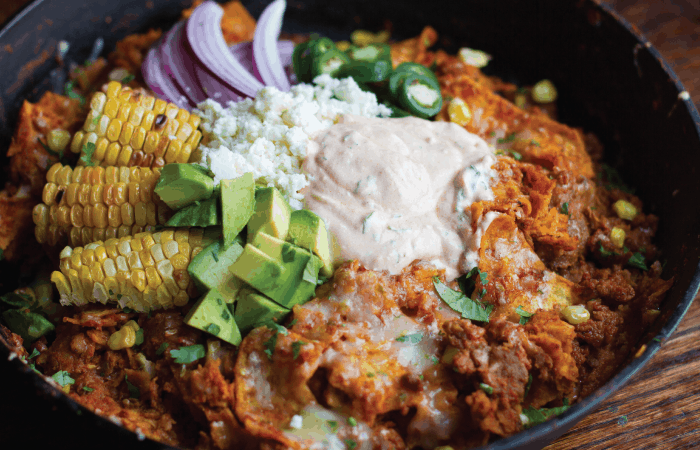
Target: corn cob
(130,128)
(89,204)
(145,272)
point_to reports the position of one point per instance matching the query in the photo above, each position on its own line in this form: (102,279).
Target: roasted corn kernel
(617,237)
(576,314)
(625,210)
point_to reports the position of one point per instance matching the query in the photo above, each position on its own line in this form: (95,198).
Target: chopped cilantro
(622,420)
(133,390)
(350,444)
(657,339)
(87,389)
(535,143)
(486,388)
(352,422)
(34,354)
(637,260)
(139,337)
(422,377)
(271,343)
(279,328)
(296,348)
(565,208)
(538,416)
(492,134)
(509,138)
(128,78)
(33,367)
(59,155)
(470,309)
(365,222)
(127,310)
(333,425)
(162,348)
(213,328)
(605,252)
(484,278)
(370,374)
(524,315)
(292,323)
(516,155)
(403,397)
(434,359)
(215,256)
(410,338)
(86,157)
(63,378)
(69,91)
(186,355)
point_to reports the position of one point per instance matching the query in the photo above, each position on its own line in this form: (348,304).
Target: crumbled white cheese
(296,422)
(268,135)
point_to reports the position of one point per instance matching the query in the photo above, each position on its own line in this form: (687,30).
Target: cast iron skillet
(611,82)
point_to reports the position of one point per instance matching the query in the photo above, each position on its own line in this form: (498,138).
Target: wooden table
(660,407)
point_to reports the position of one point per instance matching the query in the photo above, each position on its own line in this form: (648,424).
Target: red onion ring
(159,82)
(179,65)
(266,59)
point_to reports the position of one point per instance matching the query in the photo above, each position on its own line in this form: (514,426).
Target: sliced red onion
(179,64)
(159,82)
(244,53)
(266,58)
(207,42)
(215,88)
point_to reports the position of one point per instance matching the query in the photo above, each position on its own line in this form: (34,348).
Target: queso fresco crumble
(268,135)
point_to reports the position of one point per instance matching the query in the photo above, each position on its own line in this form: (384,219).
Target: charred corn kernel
(63,287)
(146,258)
(63,217)
(124,155)
(459,112)
(71,193)
(625,210)
(76,216)
(576,314)
(113,89)
(181,277)
(164,297)
(153,278)
(87,256)
(132,323)
(48,195)
(180,261)
(40,214)
(362,38)
(86,280)
(617,237)
(124,338)
(342,45)
(58,139)
(64,176)
(544,92)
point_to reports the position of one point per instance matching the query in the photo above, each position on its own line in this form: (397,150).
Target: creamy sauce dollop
(395,190)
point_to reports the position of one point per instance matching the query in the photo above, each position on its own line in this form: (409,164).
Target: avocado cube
(272,213)
(29,325)
(237,205)
(210,314)
(298,284)
(260,271)
(209,269)
(254,309)
(307,230)
(180,185)
(200,214)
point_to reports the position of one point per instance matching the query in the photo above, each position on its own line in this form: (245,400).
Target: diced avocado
(272,213)
(209,269)
(180,185)
(199,214)
(254,309)
(211,314)
(258,269)
(295,284)
(237,205)
(307,230)
(29,325)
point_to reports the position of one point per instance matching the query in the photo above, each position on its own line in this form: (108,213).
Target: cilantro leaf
(565,208)
(637,260)
(411,338)
(528,385)
(87,389)
(466,282)
(59,155)
(271,343)
(350,444)
(63,378)
(538,416)
(470,309)
(524,315)
(605,252)
(296,348)
(162,348)
(139,337)
(333,425)
(34,354)
(128,78)
(622,420)
(213,328)
(86,154)
(186,355)
(352,422)
(486,388)
(509,138)
(535,143)
(69,91)
(133,390)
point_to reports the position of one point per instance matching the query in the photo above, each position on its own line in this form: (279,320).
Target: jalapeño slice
(402,71)
(367,72)
(420,96)
(330,62)
(370,53)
